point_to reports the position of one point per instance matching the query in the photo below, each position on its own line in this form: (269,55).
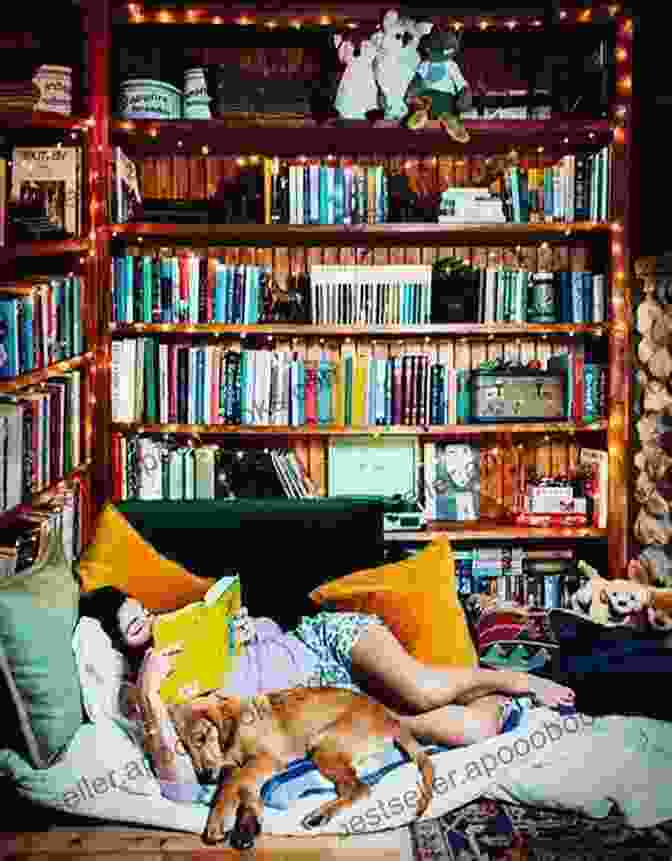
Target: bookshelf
(185,159)
(32,265)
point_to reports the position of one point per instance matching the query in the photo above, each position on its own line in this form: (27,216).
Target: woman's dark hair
(103,604)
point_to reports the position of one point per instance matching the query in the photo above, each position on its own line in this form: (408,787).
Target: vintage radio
(517,395)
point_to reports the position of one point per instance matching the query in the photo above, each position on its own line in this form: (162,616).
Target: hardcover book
(452,481)
(51,175)
(210,647)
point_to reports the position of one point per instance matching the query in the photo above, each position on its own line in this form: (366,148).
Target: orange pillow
(119,556)
(417,600)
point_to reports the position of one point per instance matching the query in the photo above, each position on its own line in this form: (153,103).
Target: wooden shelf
(309,330)
(364,234)
(43,374)
(51,488)
(493,532)
(44,248)
(240,134)
(368,430)
(41,120)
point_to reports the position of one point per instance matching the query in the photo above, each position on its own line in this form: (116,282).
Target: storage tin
(145,99)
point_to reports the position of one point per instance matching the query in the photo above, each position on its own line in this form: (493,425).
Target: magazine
(49,178)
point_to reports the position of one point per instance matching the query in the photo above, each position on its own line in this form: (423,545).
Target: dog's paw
(217,829)
(314,820)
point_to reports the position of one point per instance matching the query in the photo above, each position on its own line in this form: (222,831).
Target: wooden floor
(155,845)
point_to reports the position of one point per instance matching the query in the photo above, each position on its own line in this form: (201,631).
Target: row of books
(540,578)
(167,383)
(147,468)
(518,296)
(180,289)
(577,188)
(40,437)
(370,295)
(318,193)
(40,323)
(26,537)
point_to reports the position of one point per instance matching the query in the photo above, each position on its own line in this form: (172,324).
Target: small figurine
(357,91)
(396,60)
(439,88)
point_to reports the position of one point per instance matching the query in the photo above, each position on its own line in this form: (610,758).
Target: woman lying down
(440,705)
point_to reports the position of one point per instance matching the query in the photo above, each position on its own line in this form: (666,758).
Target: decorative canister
(196,98)
(55,85)
(541,299)
(145,99)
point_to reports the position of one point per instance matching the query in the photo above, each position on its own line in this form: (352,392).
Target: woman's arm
(172,766)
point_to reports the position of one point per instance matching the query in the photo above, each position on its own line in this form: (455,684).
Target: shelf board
(368,430)
(43,374)
(308,330)
(43,248)
(5,516)
(240,134)
(360,234)
(41,120)
(493,532)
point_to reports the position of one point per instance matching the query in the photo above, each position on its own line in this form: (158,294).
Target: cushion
(416,598)
(119,556)
(38,613)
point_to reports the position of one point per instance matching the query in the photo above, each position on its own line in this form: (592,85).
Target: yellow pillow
(119,556)
(417,600)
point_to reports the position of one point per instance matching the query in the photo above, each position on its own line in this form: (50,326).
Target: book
(596,462)
(452,481)
(126,198)
(54,174)
(210,646)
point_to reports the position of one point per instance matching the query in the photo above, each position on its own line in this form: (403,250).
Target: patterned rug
(498,831)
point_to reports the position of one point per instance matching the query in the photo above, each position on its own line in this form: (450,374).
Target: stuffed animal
(643,571)
(608,602)
(396,60)
(357,92)
(439,87)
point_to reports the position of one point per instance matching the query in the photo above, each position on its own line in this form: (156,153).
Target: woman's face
(135,623)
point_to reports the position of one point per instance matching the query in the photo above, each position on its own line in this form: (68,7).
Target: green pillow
(38,613)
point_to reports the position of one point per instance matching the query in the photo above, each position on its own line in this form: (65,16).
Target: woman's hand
(157,665)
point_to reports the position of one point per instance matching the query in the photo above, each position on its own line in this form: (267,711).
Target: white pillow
(101,671)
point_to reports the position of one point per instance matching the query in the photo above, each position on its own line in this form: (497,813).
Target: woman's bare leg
(384,668)
(458,725)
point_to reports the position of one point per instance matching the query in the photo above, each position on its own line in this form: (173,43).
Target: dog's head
(206,729)
(622,603)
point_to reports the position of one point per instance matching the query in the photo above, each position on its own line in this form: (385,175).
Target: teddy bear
(438,87)
(645,572)
(396,60)
(357,92)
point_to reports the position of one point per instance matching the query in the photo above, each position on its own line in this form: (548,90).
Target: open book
(206,630)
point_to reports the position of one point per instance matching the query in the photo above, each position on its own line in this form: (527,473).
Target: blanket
(104,774)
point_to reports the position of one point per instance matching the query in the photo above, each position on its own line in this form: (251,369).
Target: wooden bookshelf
(488,330)
(364,234)
(184,160)
(42,375)
(81,471)
(42,120)
(247,134)
(493,532)
(43,248)
(366,430)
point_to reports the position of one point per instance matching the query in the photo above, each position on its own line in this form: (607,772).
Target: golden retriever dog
(241,743)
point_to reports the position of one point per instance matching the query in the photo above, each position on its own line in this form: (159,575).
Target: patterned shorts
(331,637)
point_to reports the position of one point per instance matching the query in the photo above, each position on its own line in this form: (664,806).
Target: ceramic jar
(55,85)
(145,99)
(196,98)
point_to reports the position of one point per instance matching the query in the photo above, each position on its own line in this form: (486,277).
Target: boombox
(517,395)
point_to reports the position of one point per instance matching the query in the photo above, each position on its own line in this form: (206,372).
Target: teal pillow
(38,613)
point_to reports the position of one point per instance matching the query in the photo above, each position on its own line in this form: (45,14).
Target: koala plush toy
(438,87)
(397,58)
(357,91)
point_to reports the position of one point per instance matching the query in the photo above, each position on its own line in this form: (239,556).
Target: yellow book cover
(210,645)
(339,393)
(361,374)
